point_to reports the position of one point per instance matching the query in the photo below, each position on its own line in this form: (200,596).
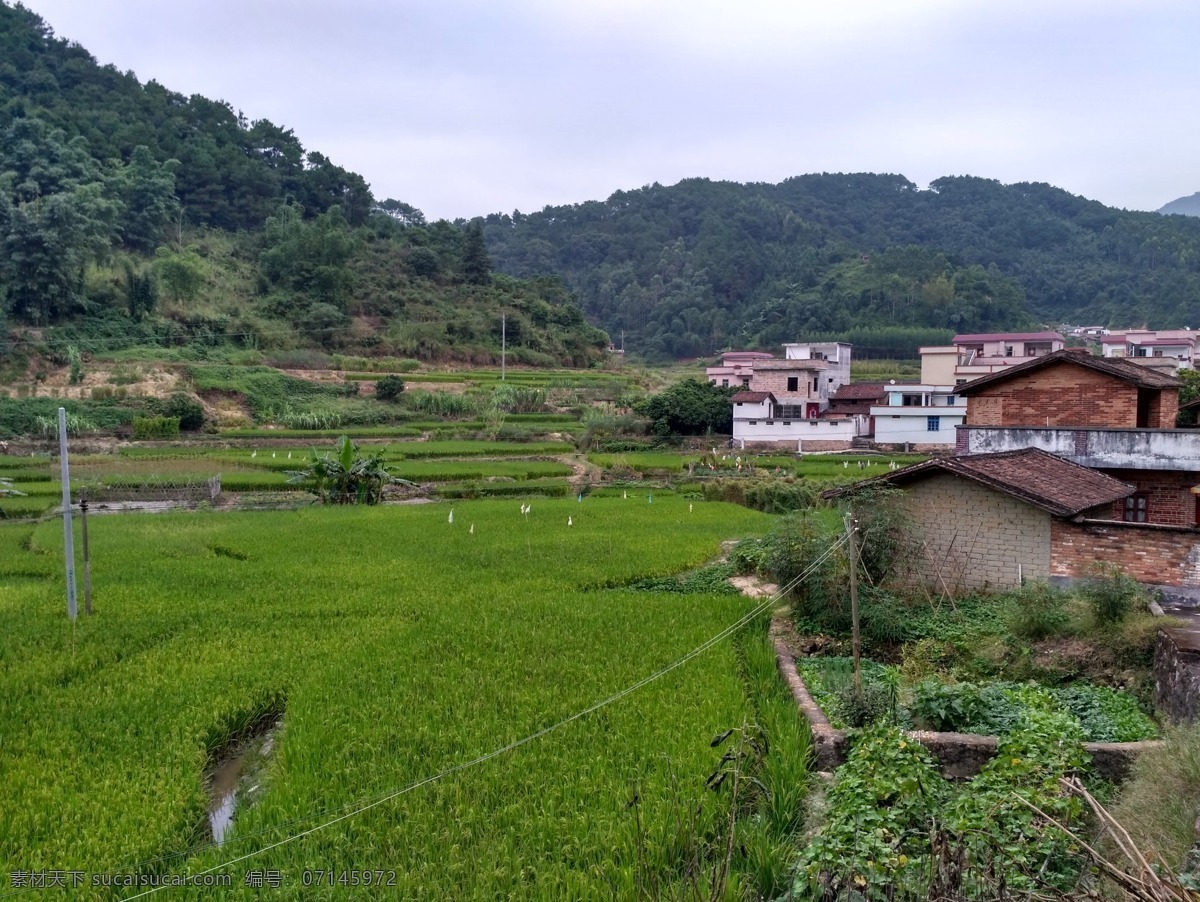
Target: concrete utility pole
(87,559)
(503,344)
(68,532)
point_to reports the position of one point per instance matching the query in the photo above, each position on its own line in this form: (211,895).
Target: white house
(921,416)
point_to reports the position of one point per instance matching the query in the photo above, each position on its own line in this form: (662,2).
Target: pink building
(972,356)
(737,368)
(1166,349)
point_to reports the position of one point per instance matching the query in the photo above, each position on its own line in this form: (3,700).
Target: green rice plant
(403,645)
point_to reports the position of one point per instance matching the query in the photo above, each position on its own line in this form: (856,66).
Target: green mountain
(701,265)
(1184,206)
(133,214)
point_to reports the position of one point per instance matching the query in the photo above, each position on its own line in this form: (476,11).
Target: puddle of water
(244,764)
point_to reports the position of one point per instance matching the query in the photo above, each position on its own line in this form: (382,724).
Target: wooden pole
(856,643)
(87,558)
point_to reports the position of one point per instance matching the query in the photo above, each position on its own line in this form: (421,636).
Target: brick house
(991,521)
(786,407)
(1110,414)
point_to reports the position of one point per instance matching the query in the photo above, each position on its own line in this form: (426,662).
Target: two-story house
(972,356)
(784,407)
(1169,350)
(1017,501)
(919,417)
(737,367)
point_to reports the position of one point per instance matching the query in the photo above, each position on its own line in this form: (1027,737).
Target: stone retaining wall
(960,755)
(1177,674)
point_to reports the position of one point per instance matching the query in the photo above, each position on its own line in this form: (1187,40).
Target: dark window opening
(793,383)
(1145,398)
(1136,508)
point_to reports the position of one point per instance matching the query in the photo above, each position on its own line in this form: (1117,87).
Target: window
(1008,351)
(910,400)
(960,381)
(950,401)
(815,383)
(746,382)
(754,422)
(724,383)
(1136,508)
(933,424)
(793,383)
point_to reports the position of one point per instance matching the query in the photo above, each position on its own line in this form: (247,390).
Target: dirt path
(585,473)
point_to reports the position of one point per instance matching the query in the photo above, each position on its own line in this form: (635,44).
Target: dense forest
(132,214)
(700,265)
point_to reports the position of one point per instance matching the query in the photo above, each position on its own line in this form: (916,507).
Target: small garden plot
(451,470)
(991,708)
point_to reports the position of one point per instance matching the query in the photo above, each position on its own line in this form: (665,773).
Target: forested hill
(701,265)
(1185,206)
(130,213)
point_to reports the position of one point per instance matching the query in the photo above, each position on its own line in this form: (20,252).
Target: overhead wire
(373,803)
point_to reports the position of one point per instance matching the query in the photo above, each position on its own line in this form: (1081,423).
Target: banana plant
(346,476)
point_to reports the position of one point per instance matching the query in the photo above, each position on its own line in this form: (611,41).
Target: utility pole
(68,532)
(856,644)
(87,558)
(503,345)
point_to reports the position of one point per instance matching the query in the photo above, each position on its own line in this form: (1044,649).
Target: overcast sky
(466,107)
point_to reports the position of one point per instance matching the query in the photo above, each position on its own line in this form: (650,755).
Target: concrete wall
(809,432)
(976,538)
(1067,394)
(897,428)
(1158,555)
(1106,449)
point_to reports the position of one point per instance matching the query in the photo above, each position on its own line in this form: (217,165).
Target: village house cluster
(1050,458)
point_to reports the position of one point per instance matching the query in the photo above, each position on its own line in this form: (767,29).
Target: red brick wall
(1065,394)
(1156,555)
(1169,500)
(1062,394)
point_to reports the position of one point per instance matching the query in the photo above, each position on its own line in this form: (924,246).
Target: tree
(181,273)
(140,292)
(389,388)
(476,265)
(689,407)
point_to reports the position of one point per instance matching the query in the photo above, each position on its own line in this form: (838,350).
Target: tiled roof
(1119,367)
(1008,336)
(863,391)
(1031,475)
(750,397)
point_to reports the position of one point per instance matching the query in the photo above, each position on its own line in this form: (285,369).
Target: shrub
(389,388)
(1037,610)
(155,427)
(188,410)
(1112,594)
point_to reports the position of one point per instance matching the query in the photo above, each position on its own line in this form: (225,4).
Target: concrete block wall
(976,538)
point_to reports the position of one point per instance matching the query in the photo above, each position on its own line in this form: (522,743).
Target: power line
(645,681)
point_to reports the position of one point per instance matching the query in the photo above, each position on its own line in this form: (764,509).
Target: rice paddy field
(394,645)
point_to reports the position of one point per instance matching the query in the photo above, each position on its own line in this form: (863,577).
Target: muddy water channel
(237,779)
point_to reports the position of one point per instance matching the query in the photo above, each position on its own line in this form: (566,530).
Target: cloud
(464,107)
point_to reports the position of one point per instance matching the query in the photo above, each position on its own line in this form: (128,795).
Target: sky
(468,107)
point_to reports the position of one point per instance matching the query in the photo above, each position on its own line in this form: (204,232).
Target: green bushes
(1112,594)
(189,411)
(772,496)
(155,428)
(1037,610)
(389,388)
